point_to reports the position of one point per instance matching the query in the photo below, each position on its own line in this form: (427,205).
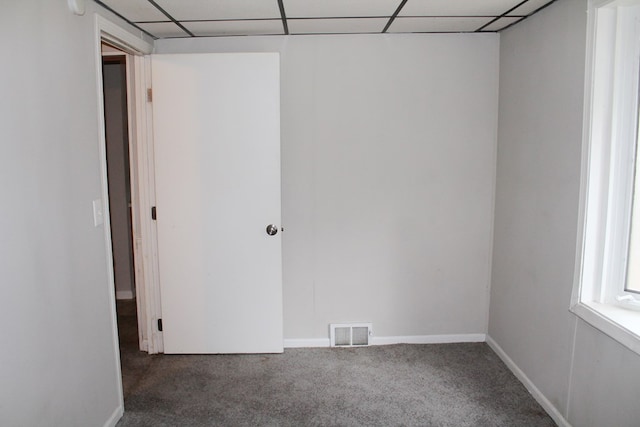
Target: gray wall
(388,164)
(59,364)
(589,378)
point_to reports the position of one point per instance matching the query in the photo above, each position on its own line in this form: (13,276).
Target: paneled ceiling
(211,18)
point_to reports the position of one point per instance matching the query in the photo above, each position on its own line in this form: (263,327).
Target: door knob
(272,230)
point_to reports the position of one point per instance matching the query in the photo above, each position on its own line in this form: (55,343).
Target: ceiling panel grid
(216,18)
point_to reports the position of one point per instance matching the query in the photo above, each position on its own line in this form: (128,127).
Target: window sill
(621,324)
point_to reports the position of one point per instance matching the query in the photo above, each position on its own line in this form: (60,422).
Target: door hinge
(149,95)
(160,325)
(153,213)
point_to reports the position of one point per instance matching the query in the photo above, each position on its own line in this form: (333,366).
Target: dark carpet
(397,385)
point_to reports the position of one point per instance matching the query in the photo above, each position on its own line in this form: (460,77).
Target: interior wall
(59,364)
(388,164)
(589,378)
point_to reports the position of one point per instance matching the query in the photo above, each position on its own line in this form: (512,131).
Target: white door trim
(142,177)
(148,294)
(144,252)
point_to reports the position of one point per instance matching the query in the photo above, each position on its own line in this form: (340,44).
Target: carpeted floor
(410,385)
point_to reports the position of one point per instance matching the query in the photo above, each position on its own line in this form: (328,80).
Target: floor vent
(350,334)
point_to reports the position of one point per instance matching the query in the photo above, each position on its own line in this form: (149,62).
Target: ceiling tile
(339,8)
(235,28)
(136,10)
(457,7)
(500,24)
(529,7)
(163,29)
(436,25)
(193,10)
(336,26)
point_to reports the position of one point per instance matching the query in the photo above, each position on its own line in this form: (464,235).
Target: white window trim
(611,86)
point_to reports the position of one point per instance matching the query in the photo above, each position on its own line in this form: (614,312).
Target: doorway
(142,312)
(114,78)
(118,46)
(116,130)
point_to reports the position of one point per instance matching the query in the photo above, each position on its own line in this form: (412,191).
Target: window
(633,263)
(607,290)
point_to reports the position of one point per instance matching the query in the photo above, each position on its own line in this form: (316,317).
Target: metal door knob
(272,230)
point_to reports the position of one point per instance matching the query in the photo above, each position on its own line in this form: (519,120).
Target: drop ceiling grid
(340,8)
(466,8)
(209,10)
(136,10)
(448,24)
(530,7)
(256,27)
(210,18)
(501,23)
(337,25)
(163,29)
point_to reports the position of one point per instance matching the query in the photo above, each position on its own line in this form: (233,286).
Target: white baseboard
(124,295)
(306,342)
(411,339)
(428,339)
(535,392)
(115,417)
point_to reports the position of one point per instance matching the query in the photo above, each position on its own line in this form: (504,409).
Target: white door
(216,121)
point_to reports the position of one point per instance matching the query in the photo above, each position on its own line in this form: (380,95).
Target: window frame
(608,170)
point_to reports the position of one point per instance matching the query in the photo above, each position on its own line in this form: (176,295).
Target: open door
(216,120)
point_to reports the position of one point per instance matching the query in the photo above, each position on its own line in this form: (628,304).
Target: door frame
(148,308)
